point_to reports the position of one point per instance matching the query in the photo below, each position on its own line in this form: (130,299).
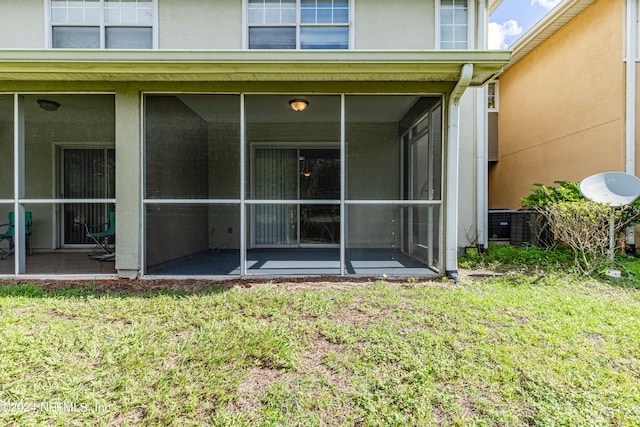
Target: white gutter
(630,96)
(453,142)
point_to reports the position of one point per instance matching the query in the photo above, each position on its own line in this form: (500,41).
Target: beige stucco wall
(379,25)
(22,24)
(219,25)
(562,108)
(196,24)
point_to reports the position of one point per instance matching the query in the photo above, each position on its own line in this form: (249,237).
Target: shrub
(584,227)
(543,195)
(581,224)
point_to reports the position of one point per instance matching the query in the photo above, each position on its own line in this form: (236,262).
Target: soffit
(241,66)
(564,12)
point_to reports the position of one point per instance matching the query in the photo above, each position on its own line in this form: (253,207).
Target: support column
(18,182)
(128,183)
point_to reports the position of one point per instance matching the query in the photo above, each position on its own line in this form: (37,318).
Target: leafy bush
(581,224)
(543,195)
(567,191)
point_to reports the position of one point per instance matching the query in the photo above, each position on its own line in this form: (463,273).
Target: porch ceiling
(244,66)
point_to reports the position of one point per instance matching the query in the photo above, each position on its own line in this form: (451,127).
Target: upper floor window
(492,96)
(298,24)
(96,24)
(454,27)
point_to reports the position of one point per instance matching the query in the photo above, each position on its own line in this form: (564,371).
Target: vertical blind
(87,174)
(276,178)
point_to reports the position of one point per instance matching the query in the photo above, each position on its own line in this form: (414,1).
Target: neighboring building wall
(562,108)
(493,136)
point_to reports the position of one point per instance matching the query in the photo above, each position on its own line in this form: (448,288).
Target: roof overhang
(244,66)
(561,14)
(493,5)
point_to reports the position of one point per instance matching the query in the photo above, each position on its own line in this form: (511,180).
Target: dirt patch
(146,286)
(313,360)
(250,391)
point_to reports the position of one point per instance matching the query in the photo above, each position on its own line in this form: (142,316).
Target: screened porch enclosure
(65,171)
(244,185)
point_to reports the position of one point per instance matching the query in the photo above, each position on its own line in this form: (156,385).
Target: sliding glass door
(85,173)
(289,176)
(422,181)
(276,178)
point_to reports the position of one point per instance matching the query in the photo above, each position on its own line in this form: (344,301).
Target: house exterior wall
(193,24)
(467,197)
(218,26)
(211,25)
(562,107)
(22,24)
(379,26)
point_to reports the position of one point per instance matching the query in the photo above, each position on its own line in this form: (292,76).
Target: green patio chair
(9,234)
(101,233)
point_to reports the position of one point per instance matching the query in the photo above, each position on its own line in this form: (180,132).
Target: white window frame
(349,25)
(471,24)
(102,26)
(496,96)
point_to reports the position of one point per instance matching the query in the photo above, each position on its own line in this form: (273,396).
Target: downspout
(453,142)
(482,141)
(630,99)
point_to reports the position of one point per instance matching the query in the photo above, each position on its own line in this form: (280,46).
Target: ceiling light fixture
(299,104)
(48,105)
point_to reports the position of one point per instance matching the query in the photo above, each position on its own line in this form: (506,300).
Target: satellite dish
(615,189)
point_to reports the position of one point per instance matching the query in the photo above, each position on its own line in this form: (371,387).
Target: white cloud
(499,32)
(547,4)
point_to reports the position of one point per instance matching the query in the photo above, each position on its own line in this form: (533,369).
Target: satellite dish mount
(615,189)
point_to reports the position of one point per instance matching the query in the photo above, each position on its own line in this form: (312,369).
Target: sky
(513,18)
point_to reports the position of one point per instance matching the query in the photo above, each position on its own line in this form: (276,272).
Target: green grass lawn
(517,350)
